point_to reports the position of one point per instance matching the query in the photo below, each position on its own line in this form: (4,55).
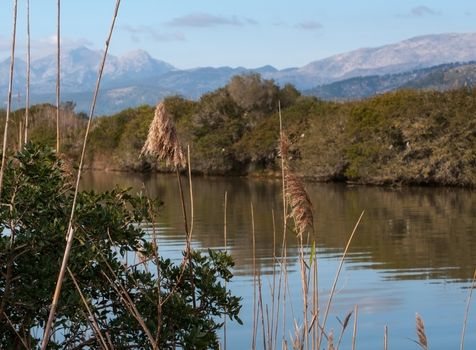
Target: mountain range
(431,61)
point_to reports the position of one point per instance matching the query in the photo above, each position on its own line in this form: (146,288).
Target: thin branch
(16,332)
(70,232)
(94,323)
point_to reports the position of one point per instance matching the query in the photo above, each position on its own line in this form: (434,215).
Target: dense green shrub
(34,217)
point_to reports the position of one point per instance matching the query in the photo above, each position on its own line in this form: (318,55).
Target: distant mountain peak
(138,54)
(413,53)
(142,78)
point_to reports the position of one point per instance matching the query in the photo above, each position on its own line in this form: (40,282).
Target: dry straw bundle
(162,141)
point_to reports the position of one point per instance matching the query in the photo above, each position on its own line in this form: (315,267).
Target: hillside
(136,78)
(403,137)
(440,78)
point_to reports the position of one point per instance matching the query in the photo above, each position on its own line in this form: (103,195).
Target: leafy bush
(37,199)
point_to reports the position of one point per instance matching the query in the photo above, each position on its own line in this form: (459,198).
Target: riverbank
(399,138)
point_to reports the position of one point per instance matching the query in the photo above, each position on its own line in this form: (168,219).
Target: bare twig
(24,343)
(70,232)
(94,323)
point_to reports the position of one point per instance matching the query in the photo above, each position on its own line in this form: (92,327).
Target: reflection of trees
(414,232)
(411,233)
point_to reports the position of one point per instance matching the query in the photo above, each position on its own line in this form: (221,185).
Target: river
(414,252)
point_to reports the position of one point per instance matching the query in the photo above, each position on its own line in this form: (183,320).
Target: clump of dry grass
(162,141)
(420,329)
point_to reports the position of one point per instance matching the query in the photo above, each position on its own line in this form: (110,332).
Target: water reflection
(411,243)
(410,233)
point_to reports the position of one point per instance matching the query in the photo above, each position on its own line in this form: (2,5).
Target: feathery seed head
(162,141)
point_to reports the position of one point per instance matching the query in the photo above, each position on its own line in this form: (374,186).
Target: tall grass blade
(344,327)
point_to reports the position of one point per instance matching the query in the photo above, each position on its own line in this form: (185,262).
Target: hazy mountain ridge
(441,78)
(137,78)
(410,54)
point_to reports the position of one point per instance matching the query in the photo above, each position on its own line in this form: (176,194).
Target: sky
(248,33)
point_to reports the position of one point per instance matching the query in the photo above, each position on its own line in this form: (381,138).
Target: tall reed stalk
(354,332)
(334,285)
(225,243)
(70,232)
(255,309)
(9,99)
(466,313)
(28,66)
(58,74)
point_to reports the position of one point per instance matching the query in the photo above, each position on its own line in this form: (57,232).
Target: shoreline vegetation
(406,137)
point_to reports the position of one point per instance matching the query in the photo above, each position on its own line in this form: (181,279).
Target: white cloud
(41,47)
(204,20)
(420,11)
(137,32)
(309,25)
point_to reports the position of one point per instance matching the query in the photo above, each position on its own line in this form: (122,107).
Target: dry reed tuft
(162,141)
(330,341)
(297,197)
(300,204)
(420,329)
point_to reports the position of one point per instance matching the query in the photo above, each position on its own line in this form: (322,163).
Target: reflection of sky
(405,258)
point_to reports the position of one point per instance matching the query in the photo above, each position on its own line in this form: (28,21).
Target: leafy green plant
(109,228)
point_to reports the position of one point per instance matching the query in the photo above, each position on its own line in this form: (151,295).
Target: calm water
(414,251)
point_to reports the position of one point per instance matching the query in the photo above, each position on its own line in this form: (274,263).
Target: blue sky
(250,33)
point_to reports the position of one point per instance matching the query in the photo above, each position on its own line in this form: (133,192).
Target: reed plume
(298,200)
(299,203)
(162,141)
(330,341)
(420,329)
